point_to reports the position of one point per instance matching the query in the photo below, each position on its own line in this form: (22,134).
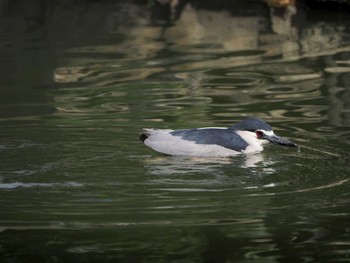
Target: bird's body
(246,136)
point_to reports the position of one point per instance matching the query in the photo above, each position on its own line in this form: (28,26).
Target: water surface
(80,83)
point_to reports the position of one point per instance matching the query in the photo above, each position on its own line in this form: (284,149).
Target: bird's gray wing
(224,137)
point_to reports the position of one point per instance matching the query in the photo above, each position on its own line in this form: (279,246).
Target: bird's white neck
(254,144)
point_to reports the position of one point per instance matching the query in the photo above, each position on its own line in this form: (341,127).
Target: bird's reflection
(167,165)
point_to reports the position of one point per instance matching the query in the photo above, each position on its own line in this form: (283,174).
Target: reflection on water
(241,48)
(166,165)
(81,80)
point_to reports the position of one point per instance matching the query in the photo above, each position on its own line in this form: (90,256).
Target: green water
(80,82)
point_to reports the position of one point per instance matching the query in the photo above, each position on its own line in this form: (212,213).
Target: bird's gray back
(224,137)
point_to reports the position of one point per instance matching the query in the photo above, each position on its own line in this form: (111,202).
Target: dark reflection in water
(81,79)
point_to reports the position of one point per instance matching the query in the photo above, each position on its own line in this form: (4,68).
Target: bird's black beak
(279,140)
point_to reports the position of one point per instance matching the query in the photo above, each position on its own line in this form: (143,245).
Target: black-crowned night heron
(247,136)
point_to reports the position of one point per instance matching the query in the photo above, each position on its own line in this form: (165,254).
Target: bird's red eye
(259,134)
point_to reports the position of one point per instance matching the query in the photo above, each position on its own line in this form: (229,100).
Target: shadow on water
(81,79)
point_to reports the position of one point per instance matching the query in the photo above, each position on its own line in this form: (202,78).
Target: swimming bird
(247,136)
